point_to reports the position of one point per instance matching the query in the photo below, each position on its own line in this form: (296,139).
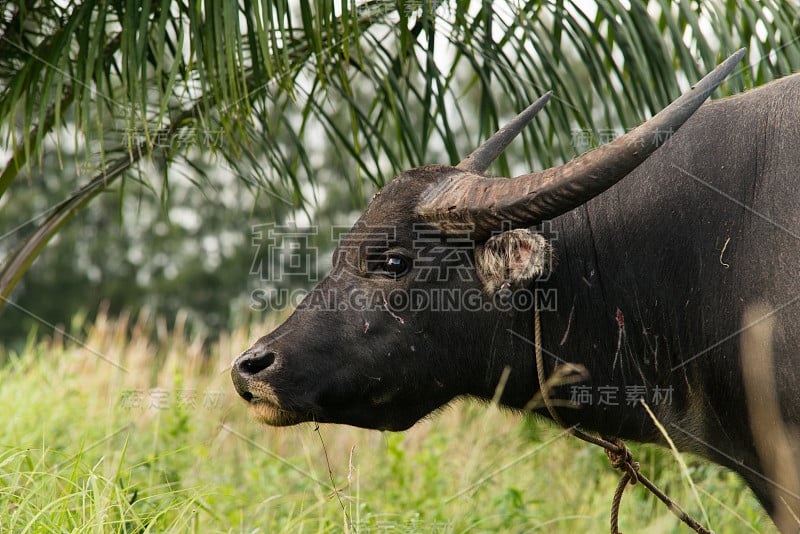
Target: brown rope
(615,502)
(618,453)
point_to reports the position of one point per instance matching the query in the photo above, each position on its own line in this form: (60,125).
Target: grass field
(137,429)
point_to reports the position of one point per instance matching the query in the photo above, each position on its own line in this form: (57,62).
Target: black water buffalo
(644,286)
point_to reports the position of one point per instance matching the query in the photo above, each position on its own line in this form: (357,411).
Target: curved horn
(484,155)
(526,200)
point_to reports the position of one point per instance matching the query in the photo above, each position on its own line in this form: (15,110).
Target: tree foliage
(297,98)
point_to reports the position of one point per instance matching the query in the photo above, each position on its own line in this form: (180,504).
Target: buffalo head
(428,281)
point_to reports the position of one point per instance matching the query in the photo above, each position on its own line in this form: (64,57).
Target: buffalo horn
(484,155)
(491,203)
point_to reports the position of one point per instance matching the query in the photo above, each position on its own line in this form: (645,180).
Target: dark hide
(708,225)
(650,286)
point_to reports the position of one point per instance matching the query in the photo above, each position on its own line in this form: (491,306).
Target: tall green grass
(139,430)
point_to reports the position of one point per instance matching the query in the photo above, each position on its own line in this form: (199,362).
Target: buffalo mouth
(267,412)
(264,405)
(360,405)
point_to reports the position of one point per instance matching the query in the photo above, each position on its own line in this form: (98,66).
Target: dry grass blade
(678,457)
(773,438)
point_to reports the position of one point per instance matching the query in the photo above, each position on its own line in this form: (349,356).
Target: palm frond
(375,86)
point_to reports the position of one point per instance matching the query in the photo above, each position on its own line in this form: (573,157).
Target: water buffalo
(643,286)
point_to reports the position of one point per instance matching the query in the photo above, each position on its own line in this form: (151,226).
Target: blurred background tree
(144,142)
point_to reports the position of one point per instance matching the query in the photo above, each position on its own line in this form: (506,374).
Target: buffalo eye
(396,265)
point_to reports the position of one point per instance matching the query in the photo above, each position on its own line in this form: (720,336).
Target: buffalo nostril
(252,364)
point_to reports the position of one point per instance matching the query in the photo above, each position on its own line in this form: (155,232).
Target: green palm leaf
(389,84)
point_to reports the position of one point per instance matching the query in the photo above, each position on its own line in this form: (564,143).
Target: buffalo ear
(512,260)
